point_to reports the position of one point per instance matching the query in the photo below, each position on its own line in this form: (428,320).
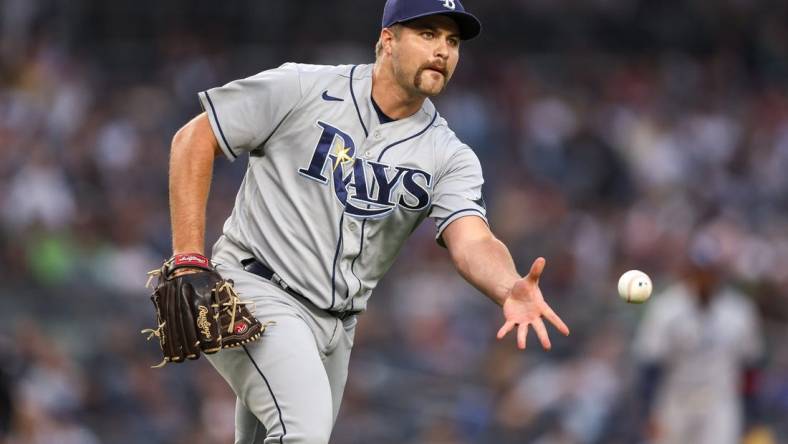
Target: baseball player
(698,345)
(345,162)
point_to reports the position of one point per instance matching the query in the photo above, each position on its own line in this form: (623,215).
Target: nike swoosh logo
(331,98)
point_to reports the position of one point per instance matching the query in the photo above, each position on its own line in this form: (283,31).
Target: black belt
(254,266)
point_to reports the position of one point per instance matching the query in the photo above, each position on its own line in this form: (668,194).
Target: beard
(415,83)
(418,82)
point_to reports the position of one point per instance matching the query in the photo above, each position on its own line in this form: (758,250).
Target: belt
(254,266)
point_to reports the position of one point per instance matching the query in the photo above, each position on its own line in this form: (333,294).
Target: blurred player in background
(699,345)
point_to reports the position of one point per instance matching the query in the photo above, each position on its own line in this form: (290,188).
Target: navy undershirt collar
(381,115)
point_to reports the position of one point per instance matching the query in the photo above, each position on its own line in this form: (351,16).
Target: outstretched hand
(525,306)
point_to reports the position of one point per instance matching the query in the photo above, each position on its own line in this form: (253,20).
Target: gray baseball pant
(288,384)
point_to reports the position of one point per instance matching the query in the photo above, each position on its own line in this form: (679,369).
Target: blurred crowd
(614,134)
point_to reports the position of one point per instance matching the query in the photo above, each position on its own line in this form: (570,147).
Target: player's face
(425,54)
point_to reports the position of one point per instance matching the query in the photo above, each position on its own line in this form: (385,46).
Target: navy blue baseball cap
(400,11)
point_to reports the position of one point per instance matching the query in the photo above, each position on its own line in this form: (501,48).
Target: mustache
(440,67)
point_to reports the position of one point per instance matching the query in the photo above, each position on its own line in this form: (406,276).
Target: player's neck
(393,99)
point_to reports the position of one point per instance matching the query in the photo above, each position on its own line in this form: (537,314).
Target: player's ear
(387,36)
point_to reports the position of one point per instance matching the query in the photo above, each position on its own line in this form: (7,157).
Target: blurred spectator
(39,194)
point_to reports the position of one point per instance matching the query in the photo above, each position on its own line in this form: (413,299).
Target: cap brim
(469,25)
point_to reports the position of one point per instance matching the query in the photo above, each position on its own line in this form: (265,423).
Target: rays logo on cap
(449,4)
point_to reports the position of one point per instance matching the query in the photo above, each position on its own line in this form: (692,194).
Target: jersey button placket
(375,136)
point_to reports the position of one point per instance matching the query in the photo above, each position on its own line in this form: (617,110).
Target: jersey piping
(219,126)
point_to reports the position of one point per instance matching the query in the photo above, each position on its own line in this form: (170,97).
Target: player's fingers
(522,334)
(506,328)
(536,269)
(550,315)
(541,331)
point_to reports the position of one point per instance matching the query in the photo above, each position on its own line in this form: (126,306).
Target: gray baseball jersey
(331,193)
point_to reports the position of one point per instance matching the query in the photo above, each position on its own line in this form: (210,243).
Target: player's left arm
(485,262)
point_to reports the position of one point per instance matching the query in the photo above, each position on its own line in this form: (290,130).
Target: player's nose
(442,49)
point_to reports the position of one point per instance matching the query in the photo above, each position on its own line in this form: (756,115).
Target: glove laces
(231,303)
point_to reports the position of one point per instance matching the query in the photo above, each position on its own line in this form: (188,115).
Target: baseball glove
(197,312)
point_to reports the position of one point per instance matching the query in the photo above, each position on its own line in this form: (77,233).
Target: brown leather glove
(197,311)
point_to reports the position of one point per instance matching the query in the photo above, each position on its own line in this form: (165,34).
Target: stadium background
(613,133)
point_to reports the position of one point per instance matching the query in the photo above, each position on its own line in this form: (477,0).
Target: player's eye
(428,35)
(454,43)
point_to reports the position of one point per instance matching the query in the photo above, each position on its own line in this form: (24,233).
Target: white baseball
(634,286)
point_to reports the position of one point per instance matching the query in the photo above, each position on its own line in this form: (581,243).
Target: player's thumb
(536,269)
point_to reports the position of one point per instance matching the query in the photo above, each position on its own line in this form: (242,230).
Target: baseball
(634,286)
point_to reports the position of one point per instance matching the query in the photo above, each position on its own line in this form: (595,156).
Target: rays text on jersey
(365,195)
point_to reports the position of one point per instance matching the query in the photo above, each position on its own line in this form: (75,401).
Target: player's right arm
(483,260)
(194,148)
(239,117)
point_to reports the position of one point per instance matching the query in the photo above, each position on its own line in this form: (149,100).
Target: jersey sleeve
(245,112)
(458,192)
